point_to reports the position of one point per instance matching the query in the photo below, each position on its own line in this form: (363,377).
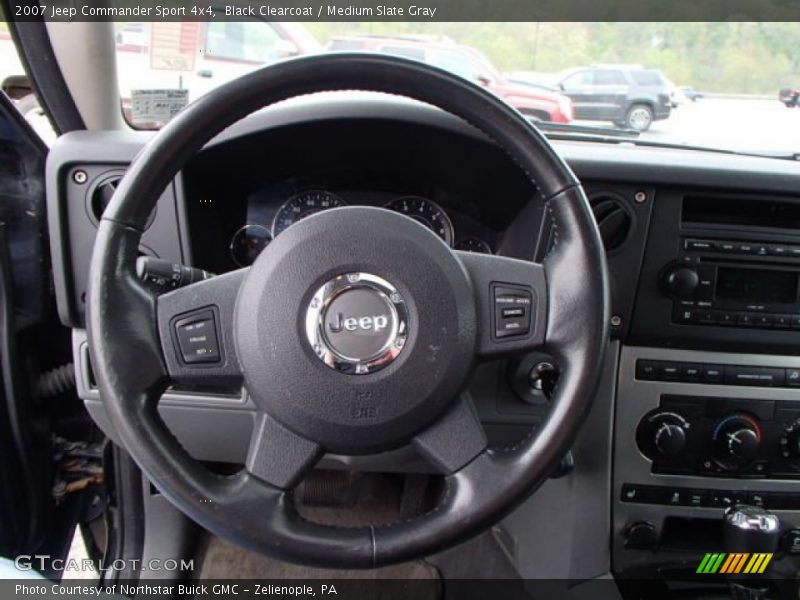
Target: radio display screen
(757,285)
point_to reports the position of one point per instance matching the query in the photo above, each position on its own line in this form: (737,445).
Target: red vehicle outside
(542,104)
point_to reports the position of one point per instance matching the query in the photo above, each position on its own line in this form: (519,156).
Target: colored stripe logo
(735,562)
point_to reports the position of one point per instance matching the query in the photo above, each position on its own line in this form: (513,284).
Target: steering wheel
(355,331)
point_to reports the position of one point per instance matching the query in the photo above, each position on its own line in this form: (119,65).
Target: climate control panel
(722,437)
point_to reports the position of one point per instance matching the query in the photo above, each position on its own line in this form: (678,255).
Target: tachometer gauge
(302,205)
(248,242)
(426,212)
(473,244)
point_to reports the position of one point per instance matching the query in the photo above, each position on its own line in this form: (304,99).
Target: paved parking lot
(747,125)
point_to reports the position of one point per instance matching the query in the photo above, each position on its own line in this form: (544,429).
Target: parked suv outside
(629,96)
(541,104)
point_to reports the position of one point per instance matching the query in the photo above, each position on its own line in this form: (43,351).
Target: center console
(686,448)
(707,410)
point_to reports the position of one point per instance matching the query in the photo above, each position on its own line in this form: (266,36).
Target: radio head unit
(735,283)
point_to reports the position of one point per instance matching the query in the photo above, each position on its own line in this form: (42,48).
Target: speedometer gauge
(302,205)
(426,212)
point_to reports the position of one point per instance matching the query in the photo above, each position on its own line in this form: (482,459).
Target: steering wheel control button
(357,323)
(513,307)
(197,338)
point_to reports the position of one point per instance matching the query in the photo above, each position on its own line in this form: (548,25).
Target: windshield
(720,85)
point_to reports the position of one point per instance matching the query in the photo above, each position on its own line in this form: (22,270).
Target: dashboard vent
(100,196)
(613,220)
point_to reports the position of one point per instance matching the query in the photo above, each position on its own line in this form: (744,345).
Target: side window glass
(609,77)
(16,85)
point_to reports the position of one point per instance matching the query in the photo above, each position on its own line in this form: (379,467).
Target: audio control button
(691,372)
(647,370)
(745,320)
(755,376)
(670,371)
(699,245)
(763,321)
(725,318)
(712,373)
(793,377)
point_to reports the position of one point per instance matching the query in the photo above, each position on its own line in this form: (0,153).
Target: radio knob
(669,439)
(681,281)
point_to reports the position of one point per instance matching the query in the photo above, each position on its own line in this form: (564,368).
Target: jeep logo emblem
(357,323)
(342,323)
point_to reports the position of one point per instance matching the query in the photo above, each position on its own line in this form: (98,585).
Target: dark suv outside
(628,96)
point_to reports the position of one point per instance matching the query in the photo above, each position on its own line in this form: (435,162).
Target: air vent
(101,195)
(613,220)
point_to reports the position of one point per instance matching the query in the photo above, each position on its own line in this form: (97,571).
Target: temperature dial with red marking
(736,440)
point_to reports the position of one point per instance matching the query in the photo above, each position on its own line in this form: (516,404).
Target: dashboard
(703,251)
(241,209)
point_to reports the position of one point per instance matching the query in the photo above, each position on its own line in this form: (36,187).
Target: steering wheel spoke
(195,325)
(279,456)
(511,300)
(455,439)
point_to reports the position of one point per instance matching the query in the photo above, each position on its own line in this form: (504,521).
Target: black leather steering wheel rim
(483,484)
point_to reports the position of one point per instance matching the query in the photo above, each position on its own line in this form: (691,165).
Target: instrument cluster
(249,240)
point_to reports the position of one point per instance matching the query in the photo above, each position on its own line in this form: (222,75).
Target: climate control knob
(669,439)
(680,281)
(736,440)
(662,434)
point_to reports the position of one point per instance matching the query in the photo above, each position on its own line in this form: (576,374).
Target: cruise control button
(197,338)
(513,309)
(793,377)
